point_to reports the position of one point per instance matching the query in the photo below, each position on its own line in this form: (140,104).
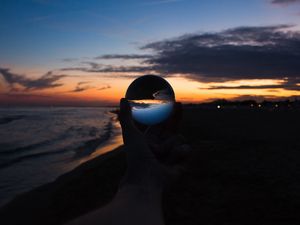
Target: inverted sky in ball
(152,99)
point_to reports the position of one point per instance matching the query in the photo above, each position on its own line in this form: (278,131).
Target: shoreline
(50,200)
(109,143)
(113,142)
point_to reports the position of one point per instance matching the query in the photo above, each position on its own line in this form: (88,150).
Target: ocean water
(39,144)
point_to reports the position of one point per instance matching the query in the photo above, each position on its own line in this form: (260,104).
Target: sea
(38,144)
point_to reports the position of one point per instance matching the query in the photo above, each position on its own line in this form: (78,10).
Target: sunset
(79,53)
(149,112)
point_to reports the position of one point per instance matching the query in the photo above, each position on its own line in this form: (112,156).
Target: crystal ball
(151,98)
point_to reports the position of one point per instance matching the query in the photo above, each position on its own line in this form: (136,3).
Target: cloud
(100,68)
(69,59)
(82,87)
(49,80)
(233,54)
(104,87)
(266,52)
(285,2)
(83,82)
(123,56)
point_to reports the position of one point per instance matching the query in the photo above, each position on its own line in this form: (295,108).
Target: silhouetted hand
(154,157)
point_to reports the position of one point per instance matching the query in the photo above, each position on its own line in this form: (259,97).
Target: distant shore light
(219,107)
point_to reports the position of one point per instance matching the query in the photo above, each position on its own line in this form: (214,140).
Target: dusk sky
(75,52)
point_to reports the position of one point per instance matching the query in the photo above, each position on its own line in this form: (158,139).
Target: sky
(76,52)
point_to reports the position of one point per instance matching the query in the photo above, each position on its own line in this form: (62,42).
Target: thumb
(125,117)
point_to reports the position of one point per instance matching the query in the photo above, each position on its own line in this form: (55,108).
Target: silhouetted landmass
(244,169)
(223,103)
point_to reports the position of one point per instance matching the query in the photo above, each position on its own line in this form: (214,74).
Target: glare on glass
(151,98)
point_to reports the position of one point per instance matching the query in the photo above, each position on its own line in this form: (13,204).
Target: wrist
(142,192)
(143,181)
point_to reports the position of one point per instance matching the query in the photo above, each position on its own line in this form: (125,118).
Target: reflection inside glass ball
(151,98)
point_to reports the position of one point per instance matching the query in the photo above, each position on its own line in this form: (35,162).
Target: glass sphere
(151,98)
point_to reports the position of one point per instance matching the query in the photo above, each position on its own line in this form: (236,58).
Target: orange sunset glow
(108,91)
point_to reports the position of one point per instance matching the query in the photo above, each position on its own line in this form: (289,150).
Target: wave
(31,156)
(30,147)
(90,146)
(9,119)
(70,132)
(85,149)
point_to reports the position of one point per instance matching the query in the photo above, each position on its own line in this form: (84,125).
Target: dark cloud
(267,52)
(104,87)
(123,56)
(49,80)
(93,65)
(82,87)
(83,82)
(233,54)
(69,59)
(285,2)
(100,68)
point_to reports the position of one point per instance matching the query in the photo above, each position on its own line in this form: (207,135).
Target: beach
(38,144)
(243,169)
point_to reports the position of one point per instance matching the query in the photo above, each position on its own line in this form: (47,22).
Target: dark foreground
(244,169)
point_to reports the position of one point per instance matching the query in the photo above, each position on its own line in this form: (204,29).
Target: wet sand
(244,169)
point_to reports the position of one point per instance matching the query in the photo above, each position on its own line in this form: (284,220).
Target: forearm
(132,205)
(144,204)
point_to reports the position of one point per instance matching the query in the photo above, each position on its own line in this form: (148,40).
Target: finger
(125,117)
(132,137)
